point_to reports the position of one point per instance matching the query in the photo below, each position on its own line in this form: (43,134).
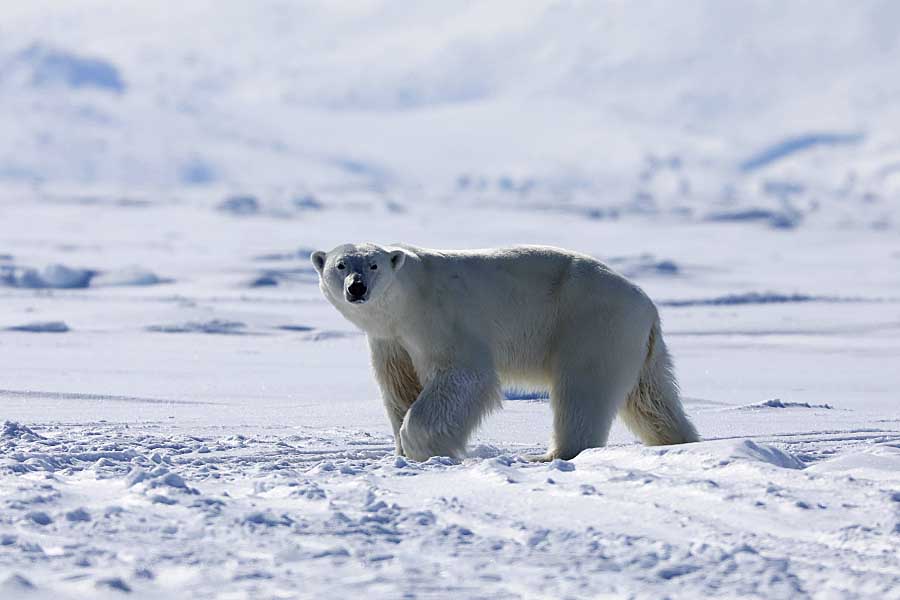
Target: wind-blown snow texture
(183,416)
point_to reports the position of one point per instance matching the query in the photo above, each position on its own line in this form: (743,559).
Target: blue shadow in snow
(50,66)
(798,144)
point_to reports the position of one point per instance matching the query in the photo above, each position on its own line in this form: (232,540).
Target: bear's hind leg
(448,410)
(594,366)
(587,392)
(584,408)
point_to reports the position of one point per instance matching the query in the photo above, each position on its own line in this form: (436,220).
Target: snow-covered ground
(186,417)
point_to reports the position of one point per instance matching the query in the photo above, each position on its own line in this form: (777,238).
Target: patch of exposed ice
(41,327)
(54,276)
(214,326)
(133,275)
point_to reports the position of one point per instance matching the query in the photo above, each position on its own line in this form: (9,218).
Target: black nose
(357,289)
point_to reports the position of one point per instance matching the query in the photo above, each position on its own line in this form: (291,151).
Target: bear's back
(515,300)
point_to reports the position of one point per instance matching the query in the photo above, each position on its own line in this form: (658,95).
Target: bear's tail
(653,410)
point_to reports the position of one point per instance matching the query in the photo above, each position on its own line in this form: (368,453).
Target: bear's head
(356,274)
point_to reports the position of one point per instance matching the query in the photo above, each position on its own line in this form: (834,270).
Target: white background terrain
(184,416)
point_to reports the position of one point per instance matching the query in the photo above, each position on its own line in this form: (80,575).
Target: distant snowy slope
(788,111)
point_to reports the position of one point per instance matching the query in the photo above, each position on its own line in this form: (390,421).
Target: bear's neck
(394,314)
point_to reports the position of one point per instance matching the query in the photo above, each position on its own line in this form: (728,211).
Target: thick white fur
(448,329)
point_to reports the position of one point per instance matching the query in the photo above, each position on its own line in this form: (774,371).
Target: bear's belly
(524,359)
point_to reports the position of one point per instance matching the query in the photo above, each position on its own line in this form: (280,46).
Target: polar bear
(448,329)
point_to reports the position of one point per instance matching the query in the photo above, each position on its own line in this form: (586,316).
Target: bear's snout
(356,291)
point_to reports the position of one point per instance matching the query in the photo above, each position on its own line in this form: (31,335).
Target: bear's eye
(341,266)
(374,267)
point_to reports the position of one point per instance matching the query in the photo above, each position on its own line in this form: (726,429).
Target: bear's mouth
(352,299)
(357,291)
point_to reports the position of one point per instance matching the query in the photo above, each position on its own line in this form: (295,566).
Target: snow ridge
(260,509)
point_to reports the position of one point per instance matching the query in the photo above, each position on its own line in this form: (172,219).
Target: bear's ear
(318,260)
(398,257)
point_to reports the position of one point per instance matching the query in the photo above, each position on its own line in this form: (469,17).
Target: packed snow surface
(182,415)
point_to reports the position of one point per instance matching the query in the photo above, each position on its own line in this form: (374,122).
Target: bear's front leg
(447,411)
(398,381)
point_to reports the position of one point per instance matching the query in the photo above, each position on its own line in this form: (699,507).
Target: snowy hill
(761,112)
